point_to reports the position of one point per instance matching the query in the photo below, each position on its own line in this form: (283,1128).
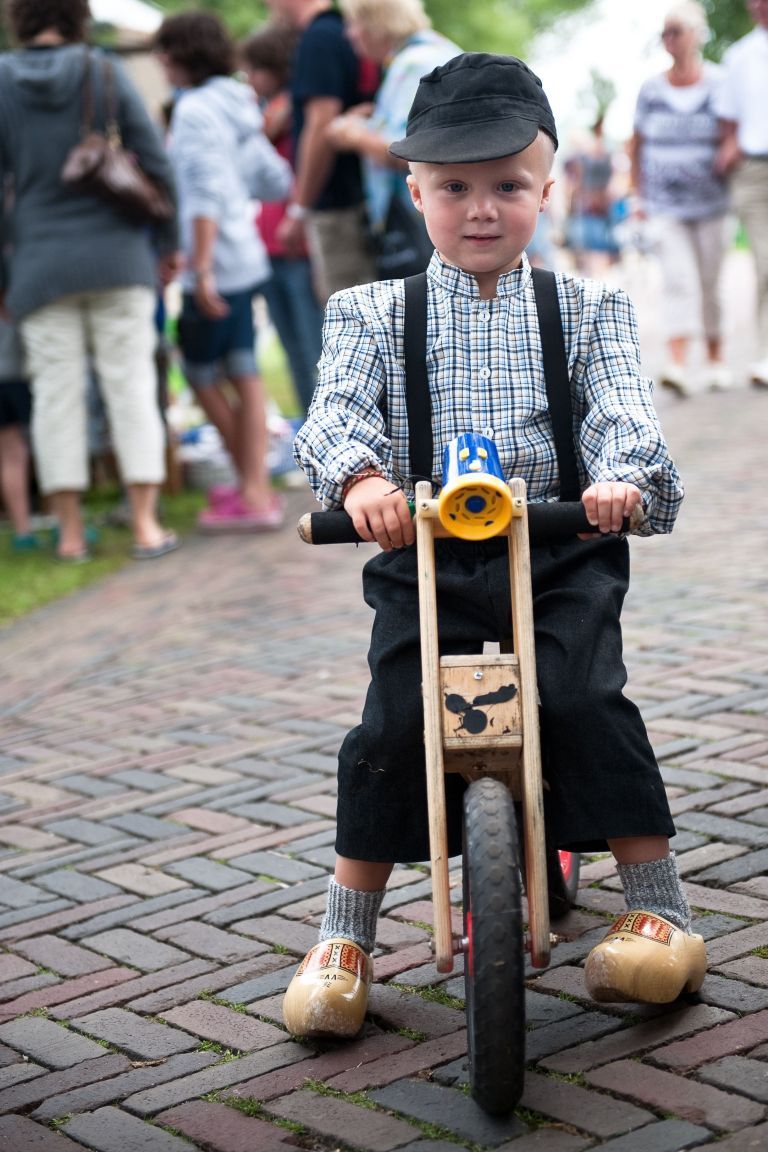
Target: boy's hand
(607,503)
(380,513)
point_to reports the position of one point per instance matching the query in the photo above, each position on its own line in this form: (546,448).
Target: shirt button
(488,432)
(485,315)
(485,373)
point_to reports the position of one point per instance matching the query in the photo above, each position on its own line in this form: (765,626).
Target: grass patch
(29,580)
(762,952)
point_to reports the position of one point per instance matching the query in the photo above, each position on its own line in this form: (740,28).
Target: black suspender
(417,402)
(557,380)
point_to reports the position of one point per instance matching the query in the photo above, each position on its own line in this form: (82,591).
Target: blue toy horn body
(475,502)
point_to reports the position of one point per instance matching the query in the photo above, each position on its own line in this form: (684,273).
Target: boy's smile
(481,216)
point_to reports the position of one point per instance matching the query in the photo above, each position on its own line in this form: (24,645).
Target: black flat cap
(476,107)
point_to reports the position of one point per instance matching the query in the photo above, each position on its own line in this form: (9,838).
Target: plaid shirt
(484,364)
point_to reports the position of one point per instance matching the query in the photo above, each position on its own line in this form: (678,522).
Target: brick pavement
(167,760)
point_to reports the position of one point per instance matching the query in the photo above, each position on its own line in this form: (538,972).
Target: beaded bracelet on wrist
(366,474)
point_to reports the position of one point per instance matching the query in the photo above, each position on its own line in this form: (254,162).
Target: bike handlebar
(555,521)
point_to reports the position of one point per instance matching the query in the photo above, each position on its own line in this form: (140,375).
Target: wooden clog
(645,959)
(328,995)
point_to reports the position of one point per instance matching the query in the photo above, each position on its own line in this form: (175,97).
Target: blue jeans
(298,318)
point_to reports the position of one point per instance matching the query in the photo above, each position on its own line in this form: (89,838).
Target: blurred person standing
(589,175)
(223,161)
(290,295)
(15,410)
(327,78)
(399,37)
(674,150)
(81,276)
(743,156)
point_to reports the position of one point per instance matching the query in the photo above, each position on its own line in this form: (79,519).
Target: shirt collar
(457,282)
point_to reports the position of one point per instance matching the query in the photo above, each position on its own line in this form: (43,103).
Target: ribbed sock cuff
(352,915)
(655,887)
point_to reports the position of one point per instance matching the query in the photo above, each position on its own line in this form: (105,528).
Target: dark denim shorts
(213,350)
(15,403)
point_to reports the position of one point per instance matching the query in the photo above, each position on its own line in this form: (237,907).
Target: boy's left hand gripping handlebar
(545,522)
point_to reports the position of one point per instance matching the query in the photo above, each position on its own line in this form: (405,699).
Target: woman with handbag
(398,36)
(82,275)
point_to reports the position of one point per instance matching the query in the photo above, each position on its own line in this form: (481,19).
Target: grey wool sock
(655,887)
(352,915)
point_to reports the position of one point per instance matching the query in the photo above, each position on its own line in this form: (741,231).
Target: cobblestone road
(167,751)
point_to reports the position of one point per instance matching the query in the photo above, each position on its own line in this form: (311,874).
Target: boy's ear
(545,193)
(413,187)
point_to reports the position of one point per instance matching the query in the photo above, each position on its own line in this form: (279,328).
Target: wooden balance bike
(481,719)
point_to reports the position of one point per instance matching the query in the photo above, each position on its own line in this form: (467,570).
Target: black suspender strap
(417,402)
(557,380)
(418,405)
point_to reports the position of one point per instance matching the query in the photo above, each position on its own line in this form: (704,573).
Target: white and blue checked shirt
(484,365)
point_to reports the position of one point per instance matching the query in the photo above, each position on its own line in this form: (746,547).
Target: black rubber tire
(494,964)
(562,880)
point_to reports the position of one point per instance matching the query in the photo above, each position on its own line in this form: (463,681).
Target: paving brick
(233,1029)
(16,894)
(142,880)
(640,1038)
(208,873)
(16,988)
(664,1091)
(12,1074)
(21,1096)
(223,1129)
(336,1118)
(20,1134)
(71,915)
(205,940)
(397,1009)
(590,1111)
(575,1030)
(296,937)
(140,1038)
(20,917)
(130,910)
(111,1130)
(218,981)
(747,1140)
(417,1058)
(751,968)
(737,944)
(84,831)
(14,967)
(741,868)
(116,1088)
(221,1075)
(740,1074)
(129,947)
(48,1042)
(147,827)
(29,839)
(196,907)
(64,991)
(665,1136)
(138,986)
(276,866)
(723,1040)
(75,886)
(434,1104)
(204,820)
(732,994)
(67,959)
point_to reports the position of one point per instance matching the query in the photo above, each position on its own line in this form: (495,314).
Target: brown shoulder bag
(100,164)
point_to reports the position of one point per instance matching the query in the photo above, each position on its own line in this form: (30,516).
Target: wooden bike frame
(525,781)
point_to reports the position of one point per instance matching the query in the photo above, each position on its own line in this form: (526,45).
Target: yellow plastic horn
(475,502)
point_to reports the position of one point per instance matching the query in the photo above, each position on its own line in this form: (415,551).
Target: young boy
(480,142)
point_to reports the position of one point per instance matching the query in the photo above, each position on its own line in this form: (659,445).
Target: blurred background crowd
(170,343)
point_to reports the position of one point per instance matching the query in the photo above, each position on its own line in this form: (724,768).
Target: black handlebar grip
(555,521)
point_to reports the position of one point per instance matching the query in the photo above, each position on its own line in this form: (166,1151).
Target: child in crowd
(15,407)
(480,141)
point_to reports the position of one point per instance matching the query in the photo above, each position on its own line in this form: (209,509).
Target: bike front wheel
(493,943)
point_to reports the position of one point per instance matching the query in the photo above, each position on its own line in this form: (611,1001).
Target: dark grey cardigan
(63,241)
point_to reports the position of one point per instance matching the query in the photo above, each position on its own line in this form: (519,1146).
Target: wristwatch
(296,212)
